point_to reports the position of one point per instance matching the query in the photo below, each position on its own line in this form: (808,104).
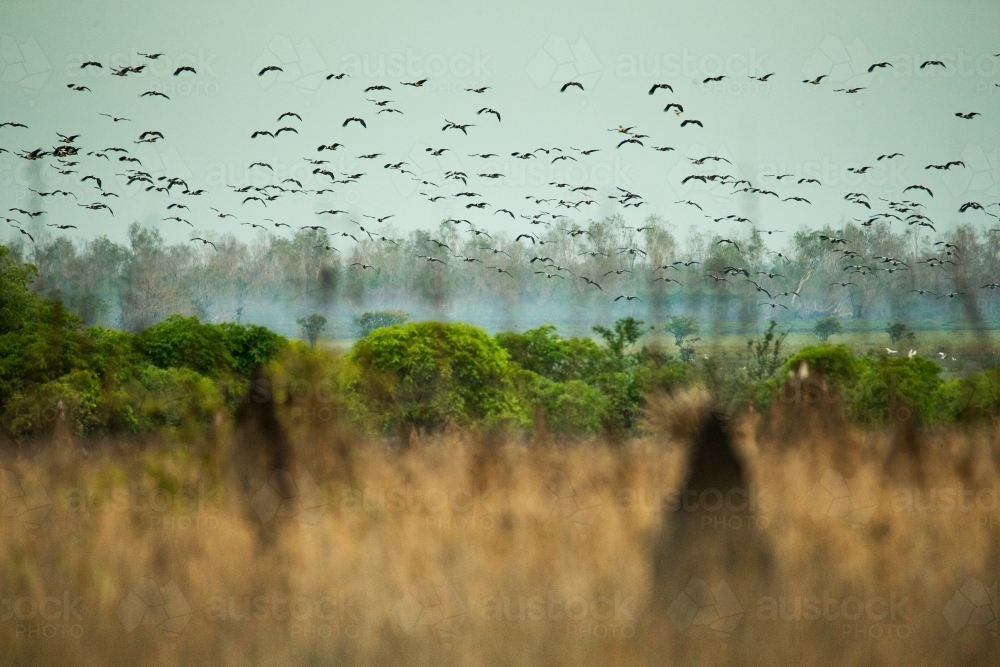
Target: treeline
(178,375)
(274,280)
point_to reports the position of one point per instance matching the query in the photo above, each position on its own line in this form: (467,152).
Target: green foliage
(913,384)
(184,342)
(544,352)
(826,327)
(176,399)
(374,319)
(569,408)
(72,398)
(897,332)
(836,362)
(626,332)
(16,299)
(312,327)
(249,345)
(684,330)
(976,397)
(427,373)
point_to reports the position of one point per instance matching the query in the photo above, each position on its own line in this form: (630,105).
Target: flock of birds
(79,165)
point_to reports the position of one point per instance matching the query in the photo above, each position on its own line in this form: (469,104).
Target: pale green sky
(524,52)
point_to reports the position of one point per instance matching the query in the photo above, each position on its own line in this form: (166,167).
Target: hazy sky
(524,52)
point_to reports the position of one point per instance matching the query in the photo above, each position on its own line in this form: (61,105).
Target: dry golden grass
(483,549)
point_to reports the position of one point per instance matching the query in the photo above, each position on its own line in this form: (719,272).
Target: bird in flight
(154,93)
(204,241)
(627,297)
(968,116)
(456,126)
(354,119)
(269,68)
(488,110)
(185,68)
(571,84)
(660,86)
(879,65)
(815,81)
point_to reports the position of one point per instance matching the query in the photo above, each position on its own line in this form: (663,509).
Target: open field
(296,541)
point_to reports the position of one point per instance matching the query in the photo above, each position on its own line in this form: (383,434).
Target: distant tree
(312,327)
(683,329)
(897,332)
(827,327)
(626,332)
(375,319)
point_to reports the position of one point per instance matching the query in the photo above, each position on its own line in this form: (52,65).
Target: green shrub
(544,352)
(569,408)
(913,383)
(177,399)
(375,319)
(827,327)
(184,342)
(424,374)
(73,397)
(312,327)
(250,345)
(836,362)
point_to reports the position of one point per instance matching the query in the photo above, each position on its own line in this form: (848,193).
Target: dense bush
(184,342)
(374,319)
(425,374)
